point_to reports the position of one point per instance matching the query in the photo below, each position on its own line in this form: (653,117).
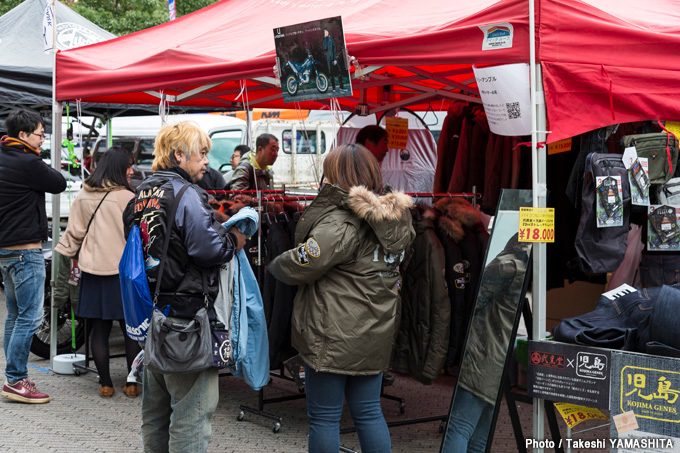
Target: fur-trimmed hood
(457,214)
(388,215)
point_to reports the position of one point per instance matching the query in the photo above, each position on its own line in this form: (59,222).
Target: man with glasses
(24,179)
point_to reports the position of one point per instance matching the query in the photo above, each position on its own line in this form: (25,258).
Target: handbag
(177,345)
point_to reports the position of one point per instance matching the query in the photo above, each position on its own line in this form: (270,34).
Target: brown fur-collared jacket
(346,264)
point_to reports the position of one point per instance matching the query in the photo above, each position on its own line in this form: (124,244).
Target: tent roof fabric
(593,53)
(26,71)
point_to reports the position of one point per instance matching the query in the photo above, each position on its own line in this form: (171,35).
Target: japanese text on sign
(650,393)
(574,414)
(536,225)
(397,130)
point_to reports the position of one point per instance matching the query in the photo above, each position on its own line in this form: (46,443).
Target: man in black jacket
(24,179)
(176,408)
(332,59)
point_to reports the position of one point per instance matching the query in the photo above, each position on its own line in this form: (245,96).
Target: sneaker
(24,391)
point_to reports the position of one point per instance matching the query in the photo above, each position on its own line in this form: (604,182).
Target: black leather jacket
(24,179)
(198,243)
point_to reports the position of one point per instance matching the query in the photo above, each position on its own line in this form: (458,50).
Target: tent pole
(539,195)
(55,155)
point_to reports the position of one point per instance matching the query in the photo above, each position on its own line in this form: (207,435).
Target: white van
(137,135)
(302,147)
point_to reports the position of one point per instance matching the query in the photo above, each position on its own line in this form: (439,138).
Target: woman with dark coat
(350,243)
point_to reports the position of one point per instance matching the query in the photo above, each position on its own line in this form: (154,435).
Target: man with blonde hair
(176,408)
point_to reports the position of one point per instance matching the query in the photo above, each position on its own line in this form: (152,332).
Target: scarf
(13,142)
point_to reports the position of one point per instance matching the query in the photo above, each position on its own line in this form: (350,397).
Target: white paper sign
(505,95)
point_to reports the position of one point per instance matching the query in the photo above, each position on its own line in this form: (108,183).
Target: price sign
(397,132)
(536,225)
(573,414)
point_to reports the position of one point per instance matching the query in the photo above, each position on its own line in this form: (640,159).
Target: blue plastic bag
(134,287)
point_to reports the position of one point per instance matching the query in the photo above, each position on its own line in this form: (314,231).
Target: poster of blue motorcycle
(312,60)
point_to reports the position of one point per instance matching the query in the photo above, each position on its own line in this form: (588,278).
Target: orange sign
(561,146)
(276,114)
(397,130)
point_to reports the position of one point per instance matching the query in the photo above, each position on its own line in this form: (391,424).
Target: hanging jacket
(346,264)
(423,338)
(447,145)
(277,296)
(248,326)
(464,240)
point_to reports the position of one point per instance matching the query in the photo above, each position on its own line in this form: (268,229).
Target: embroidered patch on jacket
(312,248)
(302,255)
(461,282)
(459,267)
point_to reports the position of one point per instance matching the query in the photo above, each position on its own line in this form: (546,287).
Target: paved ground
(78,420)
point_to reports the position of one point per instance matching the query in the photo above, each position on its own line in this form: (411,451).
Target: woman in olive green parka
(350,243)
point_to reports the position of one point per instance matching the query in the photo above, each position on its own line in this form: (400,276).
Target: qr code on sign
(513,110)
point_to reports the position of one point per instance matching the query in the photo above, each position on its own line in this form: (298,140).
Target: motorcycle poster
(312,60)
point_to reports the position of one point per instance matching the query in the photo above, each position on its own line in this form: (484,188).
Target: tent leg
(538,173)
(55,142)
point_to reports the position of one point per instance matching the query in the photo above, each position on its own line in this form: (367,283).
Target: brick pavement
(78,420)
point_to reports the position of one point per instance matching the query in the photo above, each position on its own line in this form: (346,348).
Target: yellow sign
(650,393)
(674,127)
(536,224)
(573,414)
(561,146)
(397,130)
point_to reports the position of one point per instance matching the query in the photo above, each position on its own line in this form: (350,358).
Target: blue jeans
(176,410)
(469,423)
(324,408)
(612,323)
(23,273)
(657,270)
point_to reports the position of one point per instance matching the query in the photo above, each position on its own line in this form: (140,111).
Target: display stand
(261,401)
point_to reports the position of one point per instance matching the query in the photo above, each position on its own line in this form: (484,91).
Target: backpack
(661,151)
(601,249)
(669,193)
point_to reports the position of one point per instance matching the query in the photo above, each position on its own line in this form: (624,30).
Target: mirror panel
(492,326)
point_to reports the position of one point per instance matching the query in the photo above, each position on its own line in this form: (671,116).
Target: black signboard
(569,373)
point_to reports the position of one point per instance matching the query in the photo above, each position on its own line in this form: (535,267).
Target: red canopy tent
(603,61)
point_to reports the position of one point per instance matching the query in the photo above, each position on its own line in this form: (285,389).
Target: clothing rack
(261,400)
